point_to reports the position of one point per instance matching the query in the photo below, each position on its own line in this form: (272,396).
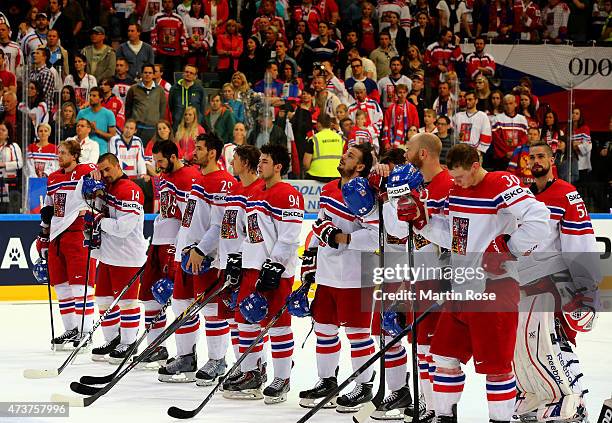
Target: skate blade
(275,400)
(153,365)
(346,410)
(206,382)
(245,395)
(396,414)
(187,377)
(99,358)
(423,418)
(311,403)
(115,361)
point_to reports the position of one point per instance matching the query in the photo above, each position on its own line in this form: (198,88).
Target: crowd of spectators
(120,76)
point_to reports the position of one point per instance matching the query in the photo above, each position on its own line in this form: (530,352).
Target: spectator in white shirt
(90,150)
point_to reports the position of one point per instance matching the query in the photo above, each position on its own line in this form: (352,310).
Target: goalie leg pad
(542,374)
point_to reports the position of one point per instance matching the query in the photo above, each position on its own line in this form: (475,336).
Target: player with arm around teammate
(340,238)
(480,226)
(121,253)
(422,152)
(274,218)
(62,242)
(560,286)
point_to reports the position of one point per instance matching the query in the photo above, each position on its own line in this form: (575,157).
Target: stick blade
(83,389)
(40,373)
(364,413)
(71,400)
(179,413)
(95,380)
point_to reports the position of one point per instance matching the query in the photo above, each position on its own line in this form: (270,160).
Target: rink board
(18,252)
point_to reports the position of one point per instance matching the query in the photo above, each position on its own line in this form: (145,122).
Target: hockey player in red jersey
(423,151)
(175,184)
(560,282)
(62,242)
(197,269)
(340,237)
(274,218)
(480,227)
(233,233)
(121,253)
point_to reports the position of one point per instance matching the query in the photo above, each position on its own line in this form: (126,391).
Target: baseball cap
(98,30)
(42,15)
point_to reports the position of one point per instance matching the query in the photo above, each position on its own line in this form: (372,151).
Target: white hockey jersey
(476,215)
(123,242)
(130,155)
(203,214)
(473,129)
(341,267)
(571,243)
(233,226)
(174,189)
(64,194)
(274,221)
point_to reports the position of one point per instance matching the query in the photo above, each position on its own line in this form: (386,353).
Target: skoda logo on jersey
(509,195)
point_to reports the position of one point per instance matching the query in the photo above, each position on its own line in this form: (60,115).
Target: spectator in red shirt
(479,62)
(7,77)
(441,57)
(229,49)
(169,40)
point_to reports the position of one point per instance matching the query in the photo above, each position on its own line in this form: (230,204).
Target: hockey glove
(581,312)
(309,265)
(269,276)
(92,188)
(496,255)
(378,183)
(326,231)
(92,221)
(42,244)
(411,209)
(233,270)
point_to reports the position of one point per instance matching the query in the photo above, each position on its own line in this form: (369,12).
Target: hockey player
(61,241)
(423,151)
(400,398)
(274,218)
(480,227)
(123,250)
(560,282)
(175,183)
(233,233)
(340,300)
(197,243)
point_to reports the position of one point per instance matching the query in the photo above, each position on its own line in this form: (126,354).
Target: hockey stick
(367,364)
(87,401)
(179,413)
(81,386)
(87,267)
(51,315)
(369,407)
(48,373)
(415,364)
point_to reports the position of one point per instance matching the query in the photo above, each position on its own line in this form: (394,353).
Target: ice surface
(139,397)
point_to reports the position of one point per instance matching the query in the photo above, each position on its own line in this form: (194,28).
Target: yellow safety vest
(328,146)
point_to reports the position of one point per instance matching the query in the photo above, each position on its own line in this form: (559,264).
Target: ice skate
(64,341)
(354,400)
(209,373)
(100,353)
(247,387)
(118,354)
(276,392)
(155,360)
(392,407)
(181,369)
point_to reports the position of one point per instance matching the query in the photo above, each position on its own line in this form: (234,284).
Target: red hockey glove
(411,209)
(326,231)
(378,183)
(581,312)
(497,254)
(42,245)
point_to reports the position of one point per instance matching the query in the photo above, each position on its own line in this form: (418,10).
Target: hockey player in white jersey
(196,251)
(560,299)
(121,253)
(341,236)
